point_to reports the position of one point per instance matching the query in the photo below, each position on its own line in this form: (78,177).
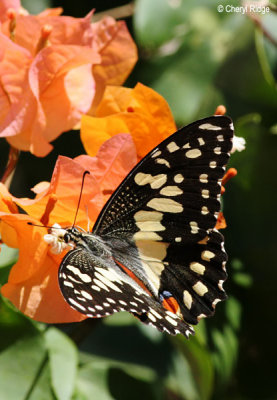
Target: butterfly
(154,250)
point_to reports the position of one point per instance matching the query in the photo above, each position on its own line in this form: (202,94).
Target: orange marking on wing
(133,276)
(171,304)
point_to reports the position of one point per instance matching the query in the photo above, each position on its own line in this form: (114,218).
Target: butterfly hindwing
(98,288)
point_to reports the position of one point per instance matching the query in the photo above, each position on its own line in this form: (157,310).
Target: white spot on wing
(205,193)
(150,226)
(203,178)
(210,127)
(69,284)
(212,164)
(204,210)
(155,182)
(86,295)
(151,316)
(171,191)
(84,277)
(165,205)
(74,303)
(200,288)
(163,161)
(187,299)
(178,178)
(144,235)
(214,303)
(197,267)
(101,284)
(156,153)
(194,153)
(95,287)
(157,315)
(172,146)
(107,281)
(171,320)
(207,255)
(194,227)
(217,150)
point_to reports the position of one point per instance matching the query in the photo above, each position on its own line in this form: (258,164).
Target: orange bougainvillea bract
(47,78)
(141,111)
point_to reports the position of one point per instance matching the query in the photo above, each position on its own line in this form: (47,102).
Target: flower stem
(10,168)
(117,12)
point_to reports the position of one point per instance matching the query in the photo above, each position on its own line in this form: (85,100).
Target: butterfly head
(61,239)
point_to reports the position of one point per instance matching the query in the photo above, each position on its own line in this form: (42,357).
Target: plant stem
(10,168)
(117,12)
(257,21)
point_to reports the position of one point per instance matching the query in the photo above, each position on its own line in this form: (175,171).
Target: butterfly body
(154,250)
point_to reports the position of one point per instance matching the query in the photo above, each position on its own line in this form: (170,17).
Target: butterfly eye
(67,237)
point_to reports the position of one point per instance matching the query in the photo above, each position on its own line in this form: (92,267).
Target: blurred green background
(197,58)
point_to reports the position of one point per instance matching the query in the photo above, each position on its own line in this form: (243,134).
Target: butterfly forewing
(159,229)
(175,188)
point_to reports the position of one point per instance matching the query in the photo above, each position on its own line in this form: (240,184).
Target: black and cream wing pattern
(154,250)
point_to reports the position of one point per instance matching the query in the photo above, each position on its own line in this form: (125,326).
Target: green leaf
(101,377)
(20,367)
(14,325)
(8,256)
(266,50)
(233,312)
(180,380)
(63,361)
(92,383)
(43,390)
(243,279)
(200,364)
(225,356)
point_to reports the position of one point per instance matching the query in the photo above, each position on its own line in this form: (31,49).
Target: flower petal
(14,65)
(114,160)
(5,5)
(40,298)
(65,30)
(141,112)
(66,186)
(118,51)
(95,131)
(51,12)
(29,242)
(61,79)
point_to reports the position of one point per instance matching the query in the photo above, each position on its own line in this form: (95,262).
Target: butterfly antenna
(43,226)
(80,196)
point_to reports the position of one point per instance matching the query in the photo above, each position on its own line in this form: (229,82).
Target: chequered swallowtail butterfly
(154,250)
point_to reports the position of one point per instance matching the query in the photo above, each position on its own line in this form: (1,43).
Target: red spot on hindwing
(171,304)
